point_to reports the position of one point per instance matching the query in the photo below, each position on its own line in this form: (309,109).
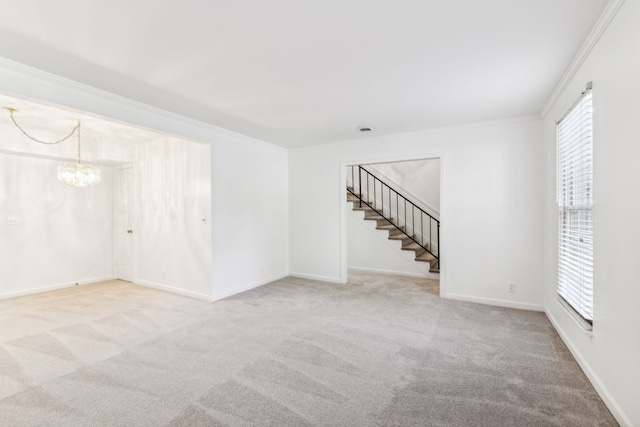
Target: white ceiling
(299,73)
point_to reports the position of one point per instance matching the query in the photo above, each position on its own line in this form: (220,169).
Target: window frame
(574,197)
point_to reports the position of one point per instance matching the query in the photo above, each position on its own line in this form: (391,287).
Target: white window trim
(584,326)
(574,191)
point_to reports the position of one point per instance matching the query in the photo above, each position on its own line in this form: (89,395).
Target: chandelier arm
(76,128)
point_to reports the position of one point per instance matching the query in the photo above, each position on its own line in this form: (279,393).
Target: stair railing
(410,219)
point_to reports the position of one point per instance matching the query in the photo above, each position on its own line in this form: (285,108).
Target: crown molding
(596,33)
(156,119)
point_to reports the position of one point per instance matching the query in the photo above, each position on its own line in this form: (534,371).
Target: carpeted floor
(380,351)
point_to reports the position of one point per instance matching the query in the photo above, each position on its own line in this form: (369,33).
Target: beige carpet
(380,351)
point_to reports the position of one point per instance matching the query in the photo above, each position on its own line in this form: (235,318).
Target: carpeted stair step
(420,251)
(357,207)
(408,242)
(384,224)
(433,263)
(397,236)
(397,233)
(425,257)
(352,197)
(410,246)
(371,215)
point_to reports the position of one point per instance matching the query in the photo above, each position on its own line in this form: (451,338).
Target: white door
(123,224)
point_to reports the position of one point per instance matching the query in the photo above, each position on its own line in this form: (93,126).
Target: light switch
(203,220)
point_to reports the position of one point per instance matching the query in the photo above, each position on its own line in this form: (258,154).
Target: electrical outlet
(13,220)
(511,287)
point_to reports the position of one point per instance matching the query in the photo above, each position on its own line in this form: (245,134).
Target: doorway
(123,224)
(367,245)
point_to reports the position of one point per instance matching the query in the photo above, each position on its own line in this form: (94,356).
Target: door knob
(129,231)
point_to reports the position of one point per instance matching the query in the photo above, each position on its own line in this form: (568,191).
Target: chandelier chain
(74,174)
(76,128)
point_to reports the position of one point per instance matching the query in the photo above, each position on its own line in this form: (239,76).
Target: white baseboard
(54,287)
(395,273)
(315,277)
(173,290)
(602,391)
(496,302)
(221,295)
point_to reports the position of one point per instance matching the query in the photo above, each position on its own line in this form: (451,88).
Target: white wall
(371,250)
(250,215)
(172,193)
(491,207)
(418,179)
(64,235)
(610,357)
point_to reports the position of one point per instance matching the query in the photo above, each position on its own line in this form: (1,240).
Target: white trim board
(55,287)
(602,391)
(495,302)
(221,295)
(395,273)
(318,278)
(173,290)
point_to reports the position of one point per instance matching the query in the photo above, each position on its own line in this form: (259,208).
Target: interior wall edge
(244,288)
(173,290)
(327,279)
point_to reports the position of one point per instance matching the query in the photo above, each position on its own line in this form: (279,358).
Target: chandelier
(74,174)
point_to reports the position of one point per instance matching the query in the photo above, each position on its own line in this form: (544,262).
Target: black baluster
(360,184)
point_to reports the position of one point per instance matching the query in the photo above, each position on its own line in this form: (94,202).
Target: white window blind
(575,207)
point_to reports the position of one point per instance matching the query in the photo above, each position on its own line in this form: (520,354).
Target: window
(574,140)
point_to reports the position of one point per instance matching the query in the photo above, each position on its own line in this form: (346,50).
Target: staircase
(396,215)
